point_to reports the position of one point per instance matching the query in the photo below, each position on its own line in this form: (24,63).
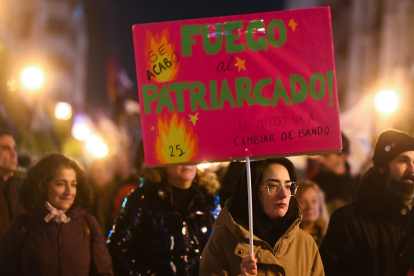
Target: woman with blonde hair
(315,216)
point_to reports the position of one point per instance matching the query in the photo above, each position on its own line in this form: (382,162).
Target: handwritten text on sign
(229,87)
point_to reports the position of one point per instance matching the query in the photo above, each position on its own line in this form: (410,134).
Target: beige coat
(294,254)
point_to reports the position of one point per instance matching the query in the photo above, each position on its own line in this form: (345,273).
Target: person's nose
(68,189)
(283,193)
(305,205)
(13,153)
(410,168)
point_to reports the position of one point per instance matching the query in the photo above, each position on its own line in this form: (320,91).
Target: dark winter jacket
(365,237)
(405,262)
(32,246)
(9,202)
(154,236)
(339,189)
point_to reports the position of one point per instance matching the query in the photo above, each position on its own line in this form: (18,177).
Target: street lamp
(32,77)
(80,129)
(63,111)
(97,146)
(386,102)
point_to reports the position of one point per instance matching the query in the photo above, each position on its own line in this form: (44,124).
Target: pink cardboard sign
(224,88)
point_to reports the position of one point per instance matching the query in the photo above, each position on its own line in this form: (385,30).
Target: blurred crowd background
(68,84)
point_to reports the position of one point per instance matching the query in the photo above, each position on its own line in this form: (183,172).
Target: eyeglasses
(274,186)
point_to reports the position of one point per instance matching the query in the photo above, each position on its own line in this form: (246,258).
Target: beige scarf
(55,214)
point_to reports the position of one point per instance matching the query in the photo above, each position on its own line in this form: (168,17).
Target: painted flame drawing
(175,140)
(162,65)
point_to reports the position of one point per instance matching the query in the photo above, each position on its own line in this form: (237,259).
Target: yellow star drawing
(292,24)
(193,118)
(240,64)
(152,128)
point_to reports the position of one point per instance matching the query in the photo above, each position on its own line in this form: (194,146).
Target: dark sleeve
(11,246)
(125,237)
(338,250)
(15,205)
(101,263)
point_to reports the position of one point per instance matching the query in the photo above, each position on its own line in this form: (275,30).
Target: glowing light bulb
(386,101)
(203,165)
(32,77)
(63,111)
(97,146)
(80,129)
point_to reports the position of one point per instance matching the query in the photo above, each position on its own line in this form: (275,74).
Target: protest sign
(231,87)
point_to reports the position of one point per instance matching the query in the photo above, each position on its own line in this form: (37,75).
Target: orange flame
(176,141)
(162,58)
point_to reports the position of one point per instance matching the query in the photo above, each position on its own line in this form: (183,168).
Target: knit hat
(389,145)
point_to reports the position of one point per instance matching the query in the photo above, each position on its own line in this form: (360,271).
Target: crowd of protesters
(61,217)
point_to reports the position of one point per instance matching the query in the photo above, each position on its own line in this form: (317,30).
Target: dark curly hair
(33,189)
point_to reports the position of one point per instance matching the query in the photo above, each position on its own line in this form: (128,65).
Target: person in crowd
(9,181)
(280,247)
(334,178)
(55,236)
(102,177)
(368,236)
(133,181)
(228,181)
(165,223)
(315,216)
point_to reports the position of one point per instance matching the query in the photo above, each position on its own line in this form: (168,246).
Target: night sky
(110,31)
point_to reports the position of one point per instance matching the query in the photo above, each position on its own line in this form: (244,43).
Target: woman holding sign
(279,246)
